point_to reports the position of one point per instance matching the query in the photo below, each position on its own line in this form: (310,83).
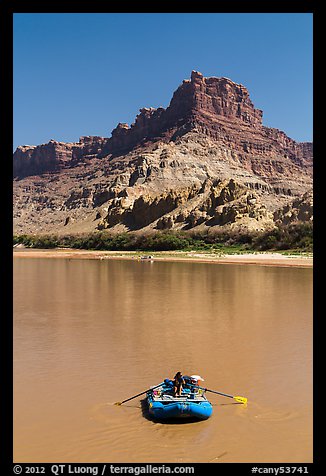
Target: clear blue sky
(81,74)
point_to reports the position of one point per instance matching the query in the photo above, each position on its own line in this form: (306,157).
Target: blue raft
(192,404)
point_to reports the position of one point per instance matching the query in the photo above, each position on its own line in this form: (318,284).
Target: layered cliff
(160,171)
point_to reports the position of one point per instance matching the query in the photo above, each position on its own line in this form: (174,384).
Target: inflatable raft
(192,403)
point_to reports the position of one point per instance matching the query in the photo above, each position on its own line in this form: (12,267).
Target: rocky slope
(205,160)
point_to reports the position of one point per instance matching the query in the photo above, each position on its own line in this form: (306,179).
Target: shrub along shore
(294,237)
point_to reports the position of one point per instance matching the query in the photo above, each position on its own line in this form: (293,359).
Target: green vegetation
(295,237)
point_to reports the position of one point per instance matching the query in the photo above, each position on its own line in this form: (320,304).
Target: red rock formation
(35,160)
(216,107)
(88,147)
(218,96)
(197,102)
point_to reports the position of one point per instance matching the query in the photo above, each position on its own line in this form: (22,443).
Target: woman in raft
(178,382)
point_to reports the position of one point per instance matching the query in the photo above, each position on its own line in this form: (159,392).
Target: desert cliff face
(205,160)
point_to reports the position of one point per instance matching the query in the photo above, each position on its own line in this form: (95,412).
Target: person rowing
(178,383)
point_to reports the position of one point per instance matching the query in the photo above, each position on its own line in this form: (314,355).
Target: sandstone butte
(204,161)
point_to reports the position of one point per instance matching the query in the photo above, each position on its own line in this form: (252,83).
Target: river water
(88,333)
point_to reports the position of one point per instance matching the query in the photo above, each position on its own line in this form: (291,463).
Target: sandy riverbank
(265,259)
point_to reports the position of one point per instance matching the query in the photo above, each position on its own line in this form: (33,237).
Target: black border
(6,111)
(7,9)
(105,6)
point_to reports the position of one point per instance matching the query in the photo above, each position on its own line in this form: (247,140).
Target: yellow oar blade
(241,399)
(118,403)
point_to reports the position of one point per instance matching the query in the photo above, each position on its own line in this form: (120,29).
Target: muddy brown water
(88,333)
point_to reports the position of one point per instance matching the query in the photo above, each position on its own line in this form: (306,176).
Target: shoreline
(259,258)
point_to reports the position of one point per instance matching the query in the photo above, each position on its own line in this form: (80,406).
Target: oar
(138,394)
(238,399)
